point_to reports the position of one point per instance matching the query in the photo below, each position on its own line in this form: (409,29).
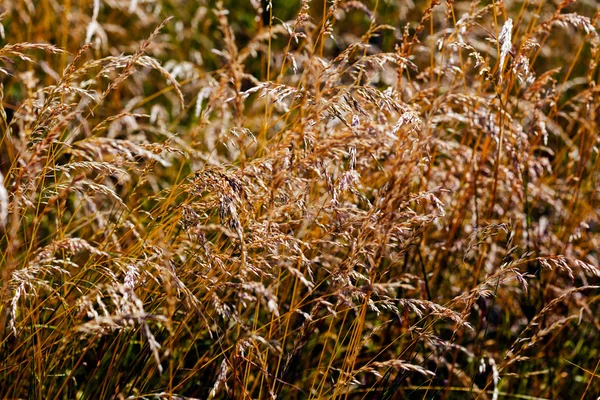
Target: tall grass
(311,200)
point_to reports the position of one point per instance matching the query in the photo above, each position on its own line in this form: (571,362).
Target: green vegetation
(378,199)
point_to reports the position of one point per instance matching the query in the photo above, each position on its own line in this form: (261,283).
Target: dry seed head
(505,40)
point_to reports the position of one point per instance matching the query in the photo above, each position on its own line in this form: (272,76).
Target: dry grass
(342,199)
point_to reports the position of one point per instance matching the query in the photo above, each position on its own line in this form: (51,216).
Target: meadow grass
(375,199)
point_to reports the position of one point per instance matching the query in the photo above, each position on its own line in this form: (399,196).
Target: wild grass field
(256,199)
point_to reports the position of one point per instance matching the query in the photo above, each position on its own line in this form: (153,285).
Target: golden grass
(311,200)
